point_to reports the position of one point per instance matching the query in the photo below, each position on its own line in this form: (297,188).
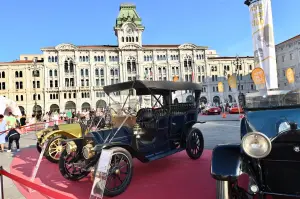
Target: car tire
(52,141)
(124,153)
(65,173)
(38,148)
(225,190)
(194,143)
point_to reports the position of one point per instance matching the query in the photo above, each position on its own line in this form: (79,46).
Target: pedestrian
(2,132)
(11,121)
(46,120)
(23,123)
(13,136)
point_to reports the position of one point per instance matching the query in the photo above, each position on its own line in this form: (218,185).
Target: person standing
(13,135)
(46,120)
(11,121)
(2,132)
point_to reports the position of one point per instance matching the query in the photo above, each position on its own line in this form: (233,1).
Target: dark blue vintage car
(150,134)
(269,152)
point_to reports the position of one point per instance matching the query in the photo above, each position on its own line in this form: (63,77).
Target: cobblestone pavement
(215,132)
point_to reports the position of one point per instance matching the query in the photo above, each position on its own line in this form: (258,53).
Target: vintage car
(236,109)
(150,134)
(269,152)
(56,135)
(212,110)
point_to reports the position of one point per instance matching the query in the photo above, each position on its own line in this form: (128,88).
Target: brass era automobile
(56,135)
(149,134)
(269,153)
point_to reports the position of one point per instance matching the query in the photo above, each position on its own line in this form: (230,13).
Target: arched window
(129,39)
(37,73)
(95,58)
(97,72)
(20,74)
(52,59)
(136,39)
(102,58)
(145,58)
(55,58)
(71,66)
(83,58)
(55,73)
(16,74)
(122,39)
(101,72)
(148,58)
(86,58)
(50,73)
(80,58)
(66,66)
(112,72)
(116,72)
(98,58)
(51,96)
(49,59)
(126,39)
(132,39)
(3,75)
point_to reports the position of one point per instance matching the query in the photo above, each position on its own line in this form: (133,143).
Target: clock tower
(128,28)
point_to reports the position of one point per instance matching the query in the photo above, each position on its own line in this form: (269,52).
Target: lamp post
(238,63)
(35,69)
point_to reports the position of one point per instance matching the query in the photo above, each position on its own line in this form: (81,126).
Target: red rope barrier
(39,188)
(29,125)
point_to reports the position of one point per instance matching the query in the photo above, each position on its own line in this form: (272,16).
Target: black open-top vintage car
(269,152)
(150,134)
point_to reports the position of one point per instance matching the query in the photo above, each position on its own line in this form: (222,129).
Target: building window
(50,73)
(291,56)
(131,65)
(56,83)
(55,73)
(65,95)
(283,58)
(51,84)
(22,98)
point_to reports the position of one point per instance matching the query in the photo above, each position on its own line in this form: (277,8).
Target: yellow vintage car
(54,136)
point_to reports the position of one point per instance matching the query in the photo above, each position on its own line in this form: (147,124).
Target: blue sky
(224,25)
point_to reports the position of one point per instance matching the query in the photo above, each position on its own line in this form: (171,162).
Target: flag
(263,40)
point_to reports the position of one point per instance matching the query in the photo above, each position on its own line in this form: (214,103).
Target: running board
(162,154)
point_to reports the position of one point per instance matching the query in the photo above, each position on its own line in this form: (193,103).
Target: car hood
(268,121)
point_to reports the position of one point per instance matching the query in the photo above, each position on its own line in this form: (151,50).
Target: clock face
(129,30)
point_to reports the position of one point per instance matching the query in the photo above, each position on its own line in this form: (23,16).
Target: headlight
(71,147)
(256,145)
(88,151)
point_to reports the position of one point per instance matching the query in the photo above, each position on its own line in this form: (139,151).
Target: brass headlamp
(88,151)
(71,147)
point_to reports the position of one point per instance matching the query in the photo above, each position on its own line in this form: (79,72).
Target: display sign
(290,75)
(221,87)
(37,166)
(101,173)
(232,81)
(258,77)
(175,78)
(263,40)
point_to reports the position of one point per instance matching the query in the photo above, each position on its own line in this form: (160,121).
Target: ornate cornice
(65,46)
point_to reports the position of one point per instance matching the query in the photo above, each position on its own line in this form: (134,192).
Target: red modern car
(212,110)
(235,109)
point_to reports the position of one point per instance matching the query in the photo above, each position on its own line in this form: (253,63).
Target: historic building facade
(288,56)
(72,77)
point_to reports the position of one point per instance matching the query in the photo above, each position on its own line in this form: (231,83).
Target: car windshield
(282,98)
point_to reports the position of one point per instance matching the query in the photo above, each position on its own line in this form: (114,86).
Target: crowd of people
(10,130)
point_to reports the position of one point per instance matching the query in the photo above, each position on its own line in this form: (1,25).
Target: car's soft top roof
(156,87)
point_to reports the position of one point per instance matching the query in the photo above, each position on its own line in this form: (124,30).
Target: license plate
(216,110)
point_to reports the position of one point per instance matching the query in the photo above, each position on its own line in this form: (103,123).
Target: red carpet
(173,177)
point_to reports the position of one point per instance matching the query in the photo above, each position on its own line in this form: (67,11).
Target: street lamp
(238,63)
(35,69)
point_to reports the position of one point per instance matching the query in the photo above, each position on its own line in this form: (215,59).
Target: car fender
(226,162)
(132,151)
(56,133)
